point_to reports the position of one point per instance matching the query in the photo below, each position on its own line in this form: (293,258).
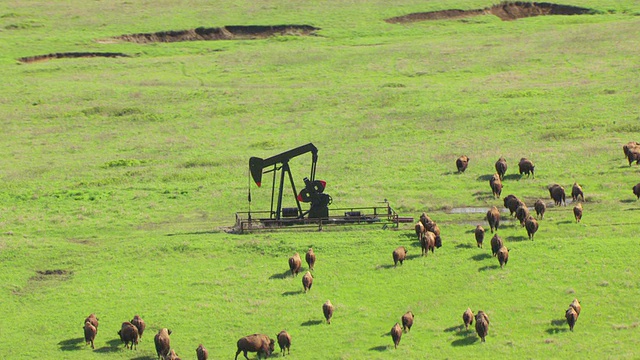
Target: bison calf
(577,212)
(467,318)
(284,341)
(396,334)
(479,233)
(327,310)
(89,333)
(407,321)
(258,343)
(399,255)
(461,163)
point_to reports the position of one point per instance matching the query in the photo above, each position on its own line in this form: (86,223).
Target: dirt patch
(56,272)
(232,32)
(505,11)
(31,59)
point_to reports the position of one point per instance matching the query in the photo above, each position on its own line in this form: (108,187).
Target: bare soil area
(36,58)
(232,32)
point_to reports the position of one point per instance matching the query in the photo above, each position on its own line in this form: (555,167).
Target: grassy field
(122,175)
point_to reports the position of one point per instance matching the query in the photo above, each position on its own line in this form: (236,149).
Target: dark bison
(89,333)
(294,264)
(496,185)
(93,320)
(307,281)
(576,192)
(467,318)
(631,145)
(557,194)
(139,324)
(310,257)
(426,220)
(540,207)
(511,202)
(526,167)
(258,343)
(522,213)
(129,334)
(462,163)
(634,155)
(407,321)
(399,255)
(482,324)
(479,233)
(531,224)
(396,334)
(493,218)
(575,304)
(577,212)
(435,229)
(501,167)
(636,190)
(284,340)
(571,316)
(428,242)
(327,310)
(496,244)
(202,352)
(503,256)
(172,355)
(162,342)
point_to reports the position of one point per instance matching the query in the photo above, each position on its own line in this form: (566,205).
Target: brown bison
(129,334)
(407,321)
(531,224)
(435,229)
(482,324)
(576,192)
(399,255)
(575,304)
(496,185)
(467,318)
(557,194)
(526,167)
(629,146)
(462,163)
(496,244)
(636,190)
(511,202)
(426,220)
(172,355)
(420,229)
(258,343)
(284,340)
(428,242)
(540,207)
(162,342)
(493,218)
(577,212)
(89,333)
(310,257)
(634,155)
(93,320)
(396,334)
(139,324)
(202,352)
(503,256)
(307,281)
(479,233)
(294,264)
(572,317)
(522,213)
(327,310)
(501,167)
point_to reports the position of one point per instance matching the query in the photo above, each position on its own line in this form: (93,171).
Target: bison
(496,185)
(407,321)
(461,163)
(420,229)
(522,213)
(636,190)
(139,324)
(399,255)
(511,202)
(540,208)
(294,264)
(575,304)
(428,242)
(327,310)
(557,194)
(479,233)
(577,212)
(526,167)
(436,231)
(89,333)
(634,155)
(467,318)
(258,343)
(531,224)
(310,257)
(576,192)
(93,320)
(307,281)
(629,146)
(501,167)
(493,218)
(496,244)
(172,355)
(162,342)
(426,220)
(202,352)
(503,256)
(396,334)
(129,334)
(572,317)
(284,340)
(482,324)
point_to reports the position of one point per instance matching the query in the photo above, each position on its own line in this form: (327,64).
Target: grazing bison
(310,257)
(284,340)
(139,324)
(576,192)
(526,167)
(636,190)
(501,167)
(129,334)
(89,333)
(202,352)
(294,264)
(479,233)
(396,334)
(399,255)
(540,207)
(557,194)
(522,213)
(511,202)
(503,256)
(467,318)
(531,224)
(420,229)
(462,163)
(572,317)
(482,324)
(258,343)
(575,304)
(493,218)
(407,321)
(162,342)
(428,242)
(172,355)
(327,310)
(307,281)
(496,185)
(577,212)
(93,320)
(496,244)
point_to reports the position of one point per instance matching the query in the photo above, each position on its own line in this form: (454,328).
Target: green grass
(124,173)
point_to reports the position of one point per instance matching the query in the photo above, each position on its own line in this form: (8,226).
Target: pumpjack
(312,192)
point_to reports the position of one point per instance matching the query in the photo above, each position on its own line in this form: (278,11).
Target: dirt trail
(232,32)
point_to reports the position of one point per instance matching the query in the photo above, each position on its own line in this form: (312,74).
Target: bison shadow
(629,201)
(145,358)
(559,322)
(464,246)
(71,344)
(379,348)
(311,323)
(489,267)
(555,330)
(517,238)
(112,346)
(485,177)
(468,340)
(283,275)
(413,256)
(290,293)
(481,257)
(512,177)
(566,222)
(386,266)
(459,330)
